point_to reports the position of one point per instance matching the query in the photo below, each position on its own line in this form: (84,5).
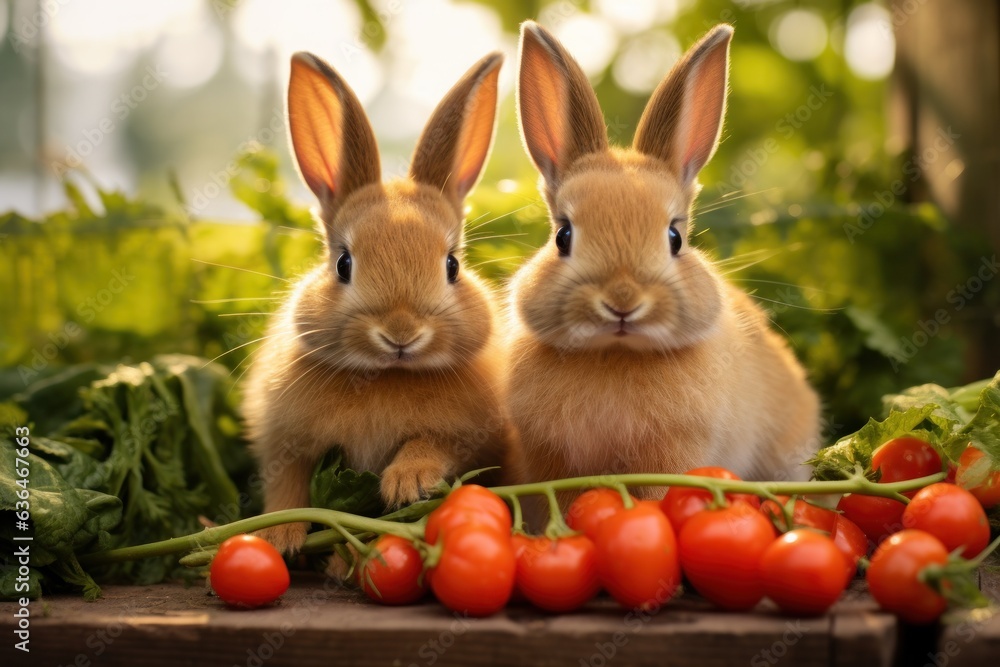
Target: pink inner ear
(703,111)
(315,123)
(543,100)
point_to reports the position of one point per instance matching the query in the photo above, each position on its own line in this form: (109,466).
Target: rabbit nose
(393,341)
(620,314)
(401,339)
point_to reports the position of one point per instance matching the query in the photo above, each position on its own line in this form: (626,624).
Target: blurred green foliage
(786,209)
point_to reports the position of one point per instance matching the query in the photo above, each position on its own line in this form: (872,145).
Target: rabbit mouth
(616,333)
(398,359)
(625,329)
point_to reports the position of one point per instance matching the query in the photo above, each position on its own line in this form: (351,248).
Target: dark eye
(564,237)
(675,240)
(344,267)
(451,265)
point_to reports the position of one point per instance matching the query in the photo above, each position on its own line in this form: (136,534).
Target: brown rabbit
(386,349)
(629,352)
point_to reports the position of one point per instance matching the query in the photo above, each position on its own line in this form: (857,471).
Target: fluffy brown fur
(398,366)
(626,357)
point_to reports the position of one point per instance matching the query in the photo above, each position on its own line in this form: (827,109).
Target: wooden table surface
(318,623)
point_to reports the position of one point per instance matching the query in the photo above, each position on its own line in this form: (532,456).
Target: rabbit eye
(675,240)
(451,265)
(564,237)
(344,267)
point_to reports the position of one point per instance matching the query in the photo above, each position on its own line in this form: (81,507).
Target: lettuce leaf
(337,488)
(948,419)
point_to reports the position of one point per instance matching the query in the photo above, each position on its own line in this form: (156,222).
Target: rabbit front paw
(407,481)
(287,538)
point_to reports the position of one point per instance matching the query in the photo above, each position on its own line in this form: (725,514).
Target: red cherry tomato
(392,573)
(248,572)
(518,543)
(474,574)
(468,504)
(720,553)
(894,576)
(951,514)
(878,517)
(803,572)
(851,541)
(897,460)
(901,459)
(682,502)
(591,508)
(557,575)
(975,475)
(481,499)
(804,515)
(637,557)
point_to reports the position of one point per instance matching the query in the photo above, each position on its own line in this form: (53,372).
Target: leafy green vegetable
(143,452)
(983,430)
(841,459)
(948,419)
(337,488)
(64,520)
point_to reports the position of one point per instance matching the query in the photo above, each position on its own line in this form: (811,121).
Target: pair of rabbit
(624,350)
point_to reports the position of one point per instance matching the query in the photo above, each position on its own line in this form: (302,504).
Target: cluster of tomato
(734,553)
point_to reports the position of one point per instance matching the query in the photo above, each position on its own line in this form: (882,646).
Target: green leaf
(337,488)
(198,391)
(930,412)
(928,394)
(75,196)
(136,453)
(878,336)
(63,520)
(68,569)
(983,430)
(838,461)
(52,401)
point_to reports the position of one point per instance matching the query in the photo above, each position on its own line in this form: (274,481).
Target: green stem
(969,395)
(858,485)
(984,554)
(718,496)
(322,541)
(357,524)
(556,527)
(219,534)
(626,496)
(352,540)
(518,519)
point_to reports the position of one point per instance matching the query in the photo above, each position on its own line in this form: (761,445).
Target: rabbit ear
(683,120)
(561,119)
(330,133)
(452,149)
